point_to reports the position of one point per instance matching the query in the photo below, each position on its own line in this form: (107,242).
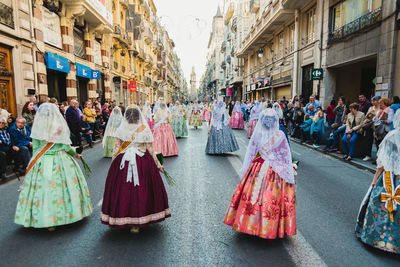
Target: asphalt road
(329,193)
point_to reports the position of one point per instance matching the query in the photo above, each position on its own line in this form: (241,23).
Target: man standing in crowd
(314,103)
(73,117)
(364,104)
(5,148)
(121,106)
(21,142)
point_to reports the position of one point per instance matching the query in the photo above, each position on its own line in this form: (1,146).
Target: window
(79,43)
(310,27)
(281,45)
(351,10)
(290,47)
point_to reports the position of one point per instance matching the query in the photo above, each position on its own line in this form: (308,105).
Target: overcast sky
(189,24)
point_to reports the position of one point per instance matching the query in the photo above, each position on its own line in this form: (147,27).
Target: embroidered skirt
(109,147)
(126,205)
(195,120)
(221,141)
(236,121)
(273,215)
(179,127)
(374,226)
(165,141)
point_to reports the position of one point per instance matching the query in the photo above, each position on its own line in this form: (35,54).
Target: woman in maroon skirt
(134,194)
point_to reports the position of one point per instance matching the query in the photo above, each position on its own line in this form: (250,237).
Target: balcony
(254,6)
(223,64)
(294,4)
(148,35)
(271,19)
(361,24)
(308,39)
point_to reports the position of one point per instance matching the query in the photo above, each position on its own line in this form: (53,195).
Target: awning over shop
(83,71)
(56,62)
(95,75)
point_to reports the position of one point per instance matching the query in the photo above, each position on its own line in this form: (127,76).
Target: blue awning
(95,75)
(56,62)
(83,71)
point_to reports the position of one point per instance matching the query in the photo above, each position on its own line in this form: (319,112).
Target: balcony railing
(308,39)
(254,6)
(358,25)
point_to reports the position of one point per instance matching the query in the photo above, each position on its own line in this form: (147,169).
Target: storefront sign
(101,9)
(51,28)
(229,91)
(56,62)
(132,86)
(317,74)
(83,71)
(253,87)
(95,74)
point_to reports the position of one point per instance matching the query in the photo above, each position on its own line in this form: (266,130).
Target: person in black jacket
(73,117)
(5,148)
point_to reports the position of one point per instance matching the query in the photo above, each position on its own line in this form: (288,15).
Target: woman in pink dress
(263,204)
(254,114)
(164,137)
(237,121)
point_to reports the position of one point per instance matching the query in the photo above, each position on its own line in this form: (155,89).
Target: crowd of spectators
(86,122)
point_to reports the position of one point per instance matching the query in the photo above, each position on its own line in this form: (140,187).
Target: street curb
(335,156)
(12,176)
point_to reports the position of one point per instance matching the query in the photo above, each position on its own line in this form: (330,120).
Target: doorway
(82,90)
(57,84)
(306,83)
(7,93)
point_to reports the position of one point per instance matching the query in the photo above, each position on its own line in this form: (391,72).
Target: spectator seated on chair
(5,148)
(353,130)
(21,143)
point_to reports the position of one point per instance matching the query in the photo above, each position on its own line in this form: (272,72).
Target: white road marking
(297,153)
(301,252)
(100,203)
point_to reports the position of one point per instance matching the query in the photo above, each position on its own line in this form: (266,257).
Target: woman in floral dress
(178,121)
(54,191)
(134,194)
(221,139)
(378,223)
(237,121)
(164,137)
(254,114)
(195,116)
(109,135)
(263,204)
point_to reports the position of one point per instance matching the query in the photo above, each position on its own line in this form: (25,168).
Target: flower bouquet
(168,177)
(86,167)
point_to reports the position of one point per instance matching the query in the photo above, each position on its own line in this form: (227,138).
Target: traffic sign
(317,74)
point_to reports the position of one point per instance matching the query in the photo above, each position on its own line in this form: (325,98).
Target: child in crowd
(317,130)
(305,129)
(100,125)
(86,130)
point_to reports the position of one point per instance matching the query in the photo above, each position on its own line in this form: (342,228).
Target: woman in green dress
(109,135)
(179,125)
(54,191)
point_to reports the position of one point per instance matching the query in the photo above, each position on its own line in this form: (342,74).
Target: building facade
(327,48)
(82,49)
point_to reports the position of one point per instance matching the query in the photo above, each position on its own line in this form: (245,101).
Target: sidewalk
(12,175)
(359,163)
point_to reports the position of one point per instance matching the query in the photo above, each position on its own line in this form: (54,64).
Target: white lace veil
(255,111)
(177,110)
(237,108)
(271,144)
(162,112)
(156,107)
(113,123)
(278,110)
(134,127)
(147,110)
(389,150)
(50,126)
(218,112)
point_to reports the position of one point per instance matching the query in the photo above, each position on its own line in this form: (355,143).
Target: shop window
(79,43)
